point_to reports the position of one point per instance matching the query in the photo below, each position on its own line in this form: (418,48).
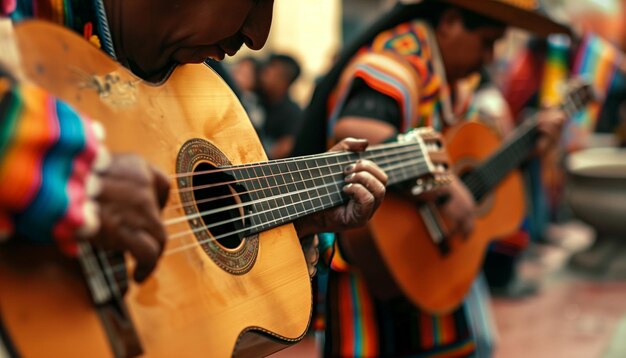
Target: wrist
(305,227)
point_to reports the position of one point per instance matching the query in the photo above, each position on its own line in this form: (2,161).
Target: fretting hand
(365,186)
(550,126)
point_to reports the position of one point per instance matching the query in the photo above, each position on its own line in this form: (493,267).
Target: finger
(129,167)
(116,235)
(350,144)
(144,249)
(467,227)
(110,221)
(370,167)
(363,203)
(370,183)
(312,256)
(137,206)
(161,186)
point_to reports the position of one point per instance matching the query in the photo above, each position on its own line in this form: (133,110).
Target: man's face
(466,51)
(189,31)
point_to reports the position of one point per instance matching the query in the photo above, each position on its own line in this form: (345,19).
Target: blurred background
(564,292)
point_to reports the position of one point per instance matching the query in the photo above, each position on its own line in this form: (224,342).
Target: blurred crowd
(264,89)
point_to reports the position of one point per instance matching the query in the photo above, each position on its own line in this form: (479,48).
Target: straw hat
(524,14)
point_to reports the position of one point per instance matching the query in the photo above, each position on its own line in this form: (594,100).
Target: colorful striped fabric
(357,325)
(597,60)
(48,152)
(556,70)
(74,14)
(401,63)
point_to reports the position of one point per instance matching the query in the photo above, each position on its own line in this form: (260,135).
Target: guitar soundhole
(217,218)
(212,193)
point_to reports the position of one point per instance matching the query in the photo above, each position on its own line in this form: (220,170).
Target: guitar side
(436,281)
(191,306)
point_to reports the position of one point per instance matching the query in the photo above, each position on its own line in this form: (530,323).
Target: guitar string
(267,165)
(405,156)
(374,148)
(413,160)
(179,219)
(271,210)
(571,105)
(198,243)
(176,235)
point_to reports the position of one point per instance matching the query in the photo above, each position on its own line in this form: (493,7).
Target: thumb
(350,144)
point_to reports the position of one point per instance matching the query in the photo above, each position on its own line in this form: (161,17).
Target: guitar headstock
(579,92)
(435,156)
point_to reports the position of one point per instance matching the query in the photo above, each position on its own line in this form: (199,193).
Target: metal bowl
(597,188)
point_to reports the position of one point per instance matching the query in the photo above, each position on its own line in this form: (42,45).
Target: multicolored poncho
(48,152)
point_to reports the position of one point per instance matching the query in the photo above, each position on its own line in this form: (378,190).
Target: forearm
(47,153)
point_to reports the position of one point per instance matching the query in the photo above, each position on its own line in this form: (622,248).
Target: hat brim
(510,15)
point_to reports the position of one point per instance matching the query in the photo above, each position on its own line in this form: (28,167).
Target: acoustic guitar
(432,268)
(232,279)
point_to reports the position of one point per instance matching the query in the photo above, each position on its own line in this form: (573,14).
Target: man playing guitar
(114,200)
(402,73)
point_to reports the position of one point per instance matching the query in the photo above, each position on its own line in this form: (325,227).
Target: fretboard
(484,178)
(281,191)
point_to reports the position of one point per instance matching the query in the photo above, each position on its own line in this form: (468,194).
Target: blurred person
(527,88)
(245,74)
(503,254)
(283,116)
(403,73)
(150,37)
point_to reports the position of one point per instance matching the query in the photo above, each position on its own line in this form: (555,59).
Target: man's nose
(256,28)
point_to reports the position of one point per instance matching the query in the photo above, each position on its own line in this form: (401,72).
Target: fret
(305,186)
(282,191)
(336,194)
(333,180)
(403,172)
(298,184)
(265,204)
(316,181)
(276,191)
(249,181)
(284,201)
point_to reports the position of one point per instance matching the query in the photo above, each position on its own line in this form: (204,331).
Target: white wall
(309,30)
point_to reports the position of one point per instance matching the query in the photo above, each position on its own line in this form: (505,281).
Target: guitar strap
(9,52)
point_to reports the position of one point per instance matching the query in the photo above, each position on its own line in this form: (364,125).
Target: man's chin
(153,75)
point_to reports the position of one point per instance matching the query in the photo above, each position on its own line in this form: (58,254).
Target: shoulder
(406,39)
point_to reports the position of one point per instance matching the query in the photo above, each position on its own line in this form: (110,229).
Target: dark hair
(432,11)
(292,68)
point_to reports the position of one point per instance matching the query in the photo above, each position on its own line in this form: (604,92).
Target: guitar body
(46,308)
(204,300)
(431,279)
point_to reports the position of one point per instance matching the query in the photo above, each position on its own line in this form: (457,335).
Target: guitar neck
(282,191)
(484,178)
(491,172)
